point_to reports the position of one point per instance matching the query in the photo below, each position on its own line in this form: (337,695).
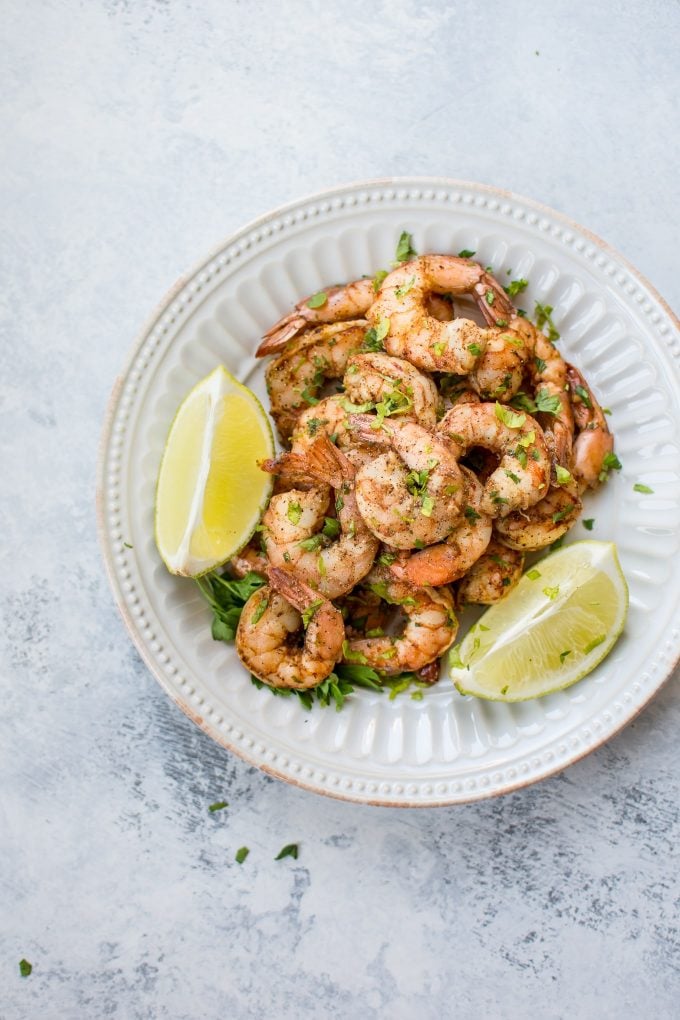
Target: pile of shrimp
(445,452)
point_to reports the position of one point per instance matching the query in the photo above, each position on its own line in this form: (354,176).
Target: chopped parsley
(405,250)
(259,611)
(552,593)
(563,655)
(543,315)
(563,476)
(318,300)
(331,527)
(25,968)
(516,287)
(475,349)
(561,514)
(290,850)
(544,402)
(405,288)
(508,417)
(465,253)
(241,854)
(534,574)
(308,613)
(378,279)
(490,297)
(513,477)
(219,805)
(582,393)
(471,514)
(610,463)
(311,544)
(588,523)
(639,487)
(373,339)
(294,513)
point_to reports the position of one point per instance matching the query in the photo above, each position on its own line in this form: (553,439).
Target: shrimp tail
(493,302)
(327,463)
(292,588)
(366,429)
(281,332)
(286,463)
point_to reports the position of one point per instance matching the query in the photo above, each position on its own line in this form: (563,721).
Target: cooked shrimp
(448,560)
(250,560)
(494,574)
(332,305)
(330,554)
(459,346)
(594,441)
(411,494)
(394,383)
(295,378)
(521,479)
(543,523)
(548,374)
(271,621)
(329,417)
(431,626)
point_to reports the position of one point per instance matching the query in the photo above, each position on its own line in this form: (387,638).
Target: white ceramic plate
(446,748)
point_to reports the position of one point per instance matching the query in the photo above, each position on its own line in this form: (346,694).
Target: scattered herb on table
(218,806)
(25,968)
(241,854)
(290,850)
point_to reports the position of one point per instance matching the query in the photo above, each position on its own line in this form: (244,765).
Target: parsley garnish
(516,287)
(290,850)
(308,613)
(544,402)
(534,574)
(387,558)
(540,364)
(373,340)
(378,279)
(471,514)
(563,655)
(610,463)
(331,527)
(294,513)
(588,523)
(543,317)
(405,288)
(504,690)
(561,514)
(490,297)
(241,854)
(259,611)
(127,545)
(513,477)
(25,968)
(466,254)
(552,593)
(227,598)
(582,392)
(639,487)
(218,806)
(508,417)
(318,300)
(563,476)
(311,544)
(475,349)
(405,250)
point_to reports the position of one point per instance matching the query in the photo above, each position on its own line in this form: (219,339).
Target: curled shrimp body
(542,524)
(295,378)
(467,540)
(521,479)
(330,418)
(547,371)
(430,629)
(251,559)
(594,441)
(394,382)
(338,304)
(492,357)
(271,621)
(409,495)
(330,554)
(494,574)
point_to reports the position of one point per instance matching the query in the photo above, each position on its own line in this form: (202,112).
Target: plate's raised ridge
(445,748)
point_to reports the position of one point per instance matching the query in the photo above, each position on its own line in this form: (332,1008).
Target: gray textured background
(136,136)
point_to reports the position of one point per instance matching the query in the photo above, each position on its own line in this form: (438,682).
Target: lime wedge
(563,617)
(211,494)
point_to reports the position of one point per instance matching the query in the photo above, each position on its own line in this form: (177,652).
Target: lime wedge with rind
(561,620)
(211,494)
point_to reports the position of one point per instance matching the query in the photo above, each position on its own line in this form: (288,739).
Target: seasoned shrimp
(490,579)
(548,373)
(251,559)
(295,378)
(459,346)
(395,384)
(270,624)
(448,560)
(329,417)
(543,523)
(430,629)
(410,495)
(594,441)
(331,554)
(521,479)
(332,305)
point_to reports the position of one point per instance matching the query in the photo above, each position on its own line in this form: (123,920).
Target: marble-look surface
(136,136)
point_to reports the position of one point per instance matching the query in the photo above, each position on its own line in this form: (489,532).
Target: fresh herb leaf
(428,506)
(582,392)
(466,254)
(373,338)
(610,463)
(475,349)
(294,513)
(490,297)
(311,544)
(563,655)
(405,288)
(516,287)
(218,806)
(543,315)
(561,514)
(513,477)
(508,417)
(534,574)
(405,250)
(318,300)
(639,487)
(25,968)
(387,558)
(540,364)
(308,613)
(563,476)
(290,850)
(505,689)
(127,545)
(588,523)
(259,611)
(378,279)
(471,514)
(552,593)
(241,854)
(227,597)
(309,397)
(331,527)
